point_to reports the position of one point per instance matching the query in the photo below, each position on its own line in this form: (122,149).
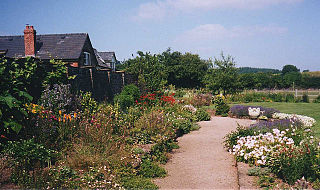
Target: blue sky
(258,33)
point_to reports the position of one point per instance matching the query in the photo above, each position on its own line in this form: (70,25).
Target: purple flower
(242,111)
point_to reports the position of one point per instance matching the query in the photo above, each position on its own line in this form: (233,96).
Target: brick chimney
(29,41)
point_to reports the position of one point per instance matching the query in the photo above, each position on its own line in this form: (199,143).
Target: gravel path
(201,162)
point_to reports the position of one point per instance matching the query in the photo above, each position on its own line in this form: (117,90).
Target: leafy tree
(151,73)
(289,68)
(184,70)
(248,80)
(224,76)
(292,78)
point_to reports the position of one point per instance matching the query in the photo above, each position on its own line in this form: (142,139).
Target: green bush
(222,108)
(131,90)
(182,126)
(138,183)
(202,115)
(149,169)
(88,105)
(124,101)
(290,98)
(28,157)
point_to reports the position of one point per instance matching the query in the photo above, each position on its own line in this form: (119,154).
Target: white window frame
(87,59)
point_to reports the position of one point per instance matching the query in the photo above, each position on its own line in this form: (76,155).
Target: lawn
(308,109)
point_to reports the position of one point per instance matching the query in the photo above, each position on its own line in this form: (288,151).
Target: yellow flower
(59,112)
(75,115)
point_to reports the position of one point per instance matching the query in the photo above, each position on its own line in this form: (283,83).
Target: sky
(257,33)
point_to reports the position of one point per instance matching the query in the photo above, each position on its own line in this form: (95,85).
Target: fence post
(296,94)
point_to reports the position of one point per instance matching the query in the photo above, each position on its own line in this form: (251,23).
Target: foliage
(138,183)
(131,90)
(222,108)
(232,138)
(184,70)
(17,79)
(151,73)
(58,74)
(202,115)
(22,81)
(124,101)
(224,77)
(59,98)
(28,156)
(288,69)
(257,70)
(88,104)
(149,169)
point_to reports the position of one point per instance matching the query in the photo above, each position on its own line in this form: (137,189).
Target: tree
(184,70)
(151,73)
(288,69)
(224,76)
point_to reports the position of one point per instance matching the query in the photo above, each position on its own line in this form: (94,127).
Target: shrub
(149,169)
(124,101)
(200,100)
(182,126)
(222,108)
(131,90)
(88,105)
(202,115)
(59,98)
(138,183)
(290,98)
(28,157)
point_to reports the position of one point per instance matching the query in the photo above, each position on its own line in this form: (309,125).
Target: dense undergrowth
(71,141)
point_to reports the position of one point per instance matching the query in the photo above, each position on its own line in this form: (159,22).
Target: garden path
(202,162)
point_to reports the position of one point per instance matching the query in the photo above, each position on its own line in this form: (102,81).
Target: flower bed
(284,144)
(305,120)
(241,111)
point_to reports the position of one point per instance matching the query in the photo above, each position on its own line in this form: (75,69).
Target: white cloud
(162,8)
(211,32)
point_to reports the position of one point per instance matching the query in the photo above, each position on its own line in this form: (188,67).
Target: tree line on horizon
(155,71)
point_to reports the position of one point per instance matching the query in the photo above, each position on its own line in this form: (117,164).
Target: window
(87,60)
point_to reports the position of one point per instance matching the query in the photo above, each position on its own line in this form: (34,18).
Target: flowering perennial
(257,148)
(305,120)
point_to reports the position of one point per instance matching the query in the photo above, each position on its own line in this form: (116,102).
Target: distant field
(314,73)
(313,94)
(308,109)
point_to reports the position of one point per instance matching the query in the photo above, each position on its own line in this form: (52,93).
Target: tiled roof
(107,56)
(100,60)
(58,46)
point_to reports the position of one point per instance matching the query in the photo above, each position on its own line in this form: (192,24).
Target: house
(109,59)
(106,60)
(94,71)
(75,48)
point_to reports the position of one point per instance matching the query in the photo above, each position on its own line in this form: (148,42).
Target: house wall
(87,47)
(104,85)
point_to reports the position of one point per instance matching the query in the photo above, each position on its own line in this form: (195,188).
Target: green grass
(308,109)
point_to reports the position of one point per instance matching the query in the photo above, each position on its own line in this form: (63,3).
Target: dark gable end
(87,47)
